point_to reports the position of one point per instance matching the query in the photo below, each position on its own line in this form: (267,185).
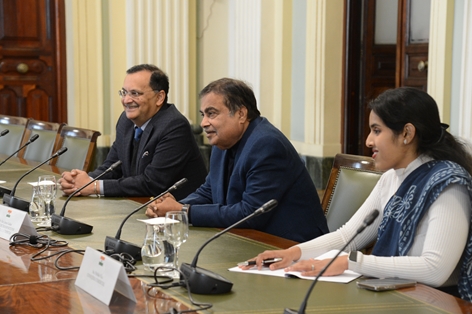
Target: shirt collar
(144,124)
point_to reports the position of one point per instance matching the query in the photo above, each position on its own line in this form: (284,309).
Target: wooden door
(413,43)
(32,59)
(370,70)
(373,66)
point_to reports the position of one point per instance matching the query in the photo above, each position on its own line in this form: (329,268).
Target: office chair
(350,182)
(81,145)
(12,141)
(44,146)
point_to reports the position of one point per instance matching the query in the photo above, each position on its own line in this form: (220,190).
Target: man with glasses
(154,141)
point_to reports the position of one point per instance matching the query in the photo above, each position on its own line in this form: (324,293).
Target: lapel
(220,189)
(128,141)
(145,137)
(142,143)
(240,155)
(242,142)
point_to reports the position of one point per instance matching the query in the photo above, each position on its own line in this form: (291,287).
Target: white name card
(100,275)
(14,221)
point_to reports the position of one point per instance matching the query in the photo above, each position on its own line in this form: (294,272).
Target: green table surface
(251,293)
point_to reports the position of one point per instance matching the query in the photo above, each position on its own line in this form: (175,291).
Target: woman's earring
(405,142)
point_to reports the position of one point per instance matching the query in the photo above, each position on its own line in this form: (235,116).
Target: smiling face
(388,149)
(141,108)
(223,128)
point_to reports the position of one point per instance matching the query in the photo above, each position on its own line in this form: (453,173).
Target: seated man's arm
(265,173)
(74,180)
(163,163)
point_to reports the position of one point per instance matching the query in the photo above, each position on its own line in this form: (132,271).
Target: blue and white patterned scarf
(405,209)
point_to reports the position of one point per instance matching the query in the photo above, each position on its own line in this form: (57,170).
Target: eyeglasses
(133,94)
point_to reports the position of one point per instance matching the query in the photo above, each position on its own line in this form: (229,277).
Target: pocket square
(145,154)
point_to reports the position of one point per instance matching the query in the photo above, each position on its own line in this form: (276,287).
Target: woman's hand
(288,256)
(312,267)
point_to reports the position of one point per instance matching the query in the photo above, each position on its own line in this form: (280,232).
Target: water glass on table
(37,206)
(176,232)
(47,190)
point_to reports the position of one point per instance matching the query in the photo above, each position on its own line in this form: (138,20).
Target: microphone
(64,225)
(15,202)
(119,246)
(367,221)
(202,281)
(31,140)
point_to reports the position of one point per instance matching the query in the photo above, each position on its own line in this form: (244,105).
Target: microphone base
(291,311)
(4,190)
(119,246)
(202,281)
(15,202)
(64,225)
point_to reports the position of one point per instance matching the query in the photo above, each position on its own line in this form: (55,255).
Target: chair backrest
(12,141)
(351,180)
(81,145)
(43,147)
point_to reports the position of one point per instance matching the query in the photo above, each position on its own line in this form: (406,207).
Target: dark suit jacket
(266,166)
(167,153)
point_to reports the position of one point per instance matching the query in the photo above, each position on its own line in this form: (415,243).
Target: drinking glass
(47,190)
(176,231)
(36,208)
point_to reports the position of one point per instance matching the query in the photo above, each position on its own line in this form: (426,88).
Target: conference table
(40,287)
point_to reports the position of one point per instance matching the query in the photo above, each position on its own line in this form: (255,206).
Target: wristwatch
(353,256)
(186,208)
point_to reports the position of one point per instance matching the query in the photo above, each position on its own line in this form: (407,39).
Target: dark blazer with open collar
(266,167)
(167,153)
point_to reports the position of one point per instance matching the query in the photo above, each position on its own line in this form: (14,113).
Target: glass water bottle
(156,251)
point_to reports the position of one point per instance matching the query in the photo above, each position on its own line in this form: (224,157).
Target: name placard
(100,275)
(14,221)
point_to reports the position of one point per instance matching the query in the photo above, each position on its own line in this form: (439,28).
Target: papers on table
(345,277)
(158,221)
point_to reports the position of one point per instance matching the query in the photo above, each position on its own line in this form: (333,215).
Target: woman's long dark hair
(397,107)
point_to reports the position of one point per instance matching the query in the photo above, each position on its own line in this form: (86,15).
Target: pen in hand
(265,262)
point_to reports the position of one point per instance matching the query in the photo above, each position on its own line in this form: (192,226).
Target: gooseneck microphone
(116,245)
(33,138)
(202,281)
(367,221)
(11,200)
(64,225)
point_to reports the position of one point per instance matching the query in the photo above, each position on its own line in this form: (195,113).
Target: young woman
(424,199)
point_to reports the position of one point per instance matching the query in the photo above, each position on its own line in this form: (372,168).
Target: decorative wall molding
(85,60)
(440,55)
(158,32)
(465,105)
(244,40)
(323,78)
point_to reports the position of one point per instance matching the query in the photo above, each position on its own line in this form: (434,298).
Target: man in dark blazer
(251,163)
(153,158)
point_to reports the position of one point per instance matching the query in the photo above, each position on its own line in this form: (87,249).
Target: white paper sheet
(345,277)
